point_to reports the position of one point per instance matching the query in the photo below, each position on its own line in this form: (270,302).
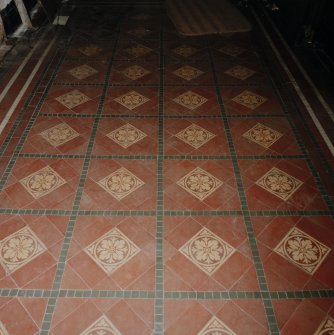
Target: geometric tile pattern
(249,99)
(42,182)
(199,183)
(302,250)
(326,327)
(185,50)
(90,50)
(240,72)
(135,72)
(262,135)
(59,134)
(190,100)
(188,72)
(126,135)
(207,251)
(120,183)
(131,100)
(195,135)
(216,327)
(138,50)
(82,71)
(232,50)
(279,183)
(139,32)
(72,99)
(19,248)
(111,251)
(3,330)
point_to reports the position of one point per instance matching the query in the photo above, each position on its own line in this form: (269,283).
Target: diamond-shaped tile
(120,183)
(216,327)
(59,134)
(279,183)
(72,99)
(188,72)
(102,326)
(302,250)
(112,250)
(42,182)
(190,100)
(82,71)
(139,32)
(199,183)
(262,135)
(185,50)
(90,50)
(249,99)
(138,50)
(126,135)
(20,248)
(195,135)
(240,72)
(131,100)
(232,50)
(3,330)
(326,327)
(207,251)
(135,72)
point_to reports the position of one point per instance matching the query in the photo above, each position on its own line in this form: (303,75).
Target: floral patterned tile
(184,51)
(133,50)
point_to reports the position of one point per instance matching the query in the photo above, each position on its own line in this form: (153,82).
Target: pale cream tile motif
(139,32)
(42,182)
(188,72)
(82,71)
(240,72)
(216,327)
(120,183)
(326,327)
(102,326)
(185,50)
(302,250)
(249,99)
(232,50)
(279,183)
(59,134)
(131,100)
(199,183)
(207,251)
(195,136)
(126,135)
(138,50)
(135,72)
(72,99)
(3,330)
(262,135)
(190,100)
(20,248)
(112,250)
(90,50)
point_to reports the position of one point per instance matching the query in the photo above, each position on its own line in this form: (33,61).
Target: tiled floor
(156,184)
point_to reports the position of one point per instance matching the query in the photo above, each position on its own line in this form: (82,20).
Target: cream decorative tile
(135,72)
(190,100)
(207,251)
(126,135)
(185,50)
(302,250)
(195,135)
(131,100)
(82,71)
(59,134)
(262,135)
(42,182)
(249,99)
(326,327)
(121,183)
(20,248)
(240,72)
(3,330)
(216,327)
(138,50)
(112,250)
(199,183)
(232,50)
(139,32)
(188,72)
(72,99)
(90,50)
(102,326)
(279,183)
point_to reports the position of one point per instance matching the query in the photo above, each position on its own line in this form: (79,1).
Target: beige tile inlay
(135,72)
(42,182)
(82,71)
(262,135)
(326,327)
(126,135)
(102,326)
(3,330)
(199,183)
(90,50)
(232,50)
(112,250)
(139,32)
(131,100)
(302,250)
(207,251)
(240,72)
(279,183)
(216,327)
(120,183)
(195,136)
(249,99)
(185,50)
(138,50)
(188,72)
(59,134)
(72,99)
(20,248)
(190,100)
